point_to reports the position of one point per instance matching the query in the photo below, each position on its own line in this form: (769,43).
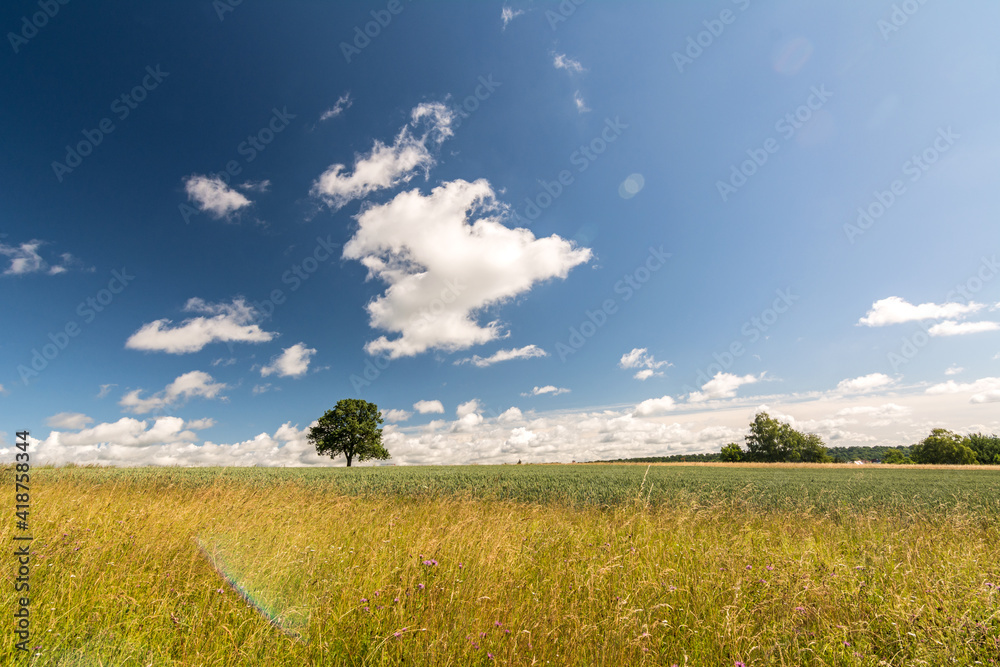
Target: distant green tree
(813,450)
(351,428)
(771,441)
(896,457)
(765,440)
(943,447)
(731,453)
(986,447)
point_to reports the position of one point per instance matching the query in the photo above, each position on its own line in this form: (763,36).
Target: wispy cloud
(395,416)
(189,385)
(69,420)
(896,310)
(952,328)
(221,322)
(507,15)
(343,103)
(865,383)
(25,259)
(547,389)
(639,358)
(386,166)
(723,385)
(526,352)
(562,61)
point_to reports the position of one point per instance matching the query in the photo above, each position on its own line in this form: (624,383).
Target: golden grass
(118,579)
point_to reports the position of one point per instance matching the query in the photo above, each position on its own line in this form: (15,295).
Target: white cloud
(226,322)
(954,369)
(343,103)
(510,415)
(952,328)
(526,352)
(581,104)
(105,390)
(256,186)
(388,166)
(896,310)
(562,61)
(262,388)
(865,383)
(882,415)
(292,362)
(507,15)
(25,259)
(428,407)
(211,194)
(654,406)
(582,435)
(984,390)
(393,416)
(723,385)
(468,408)
(69,420)
(640,358)
(443,270)
(547,389)
(189,385)
(170,441)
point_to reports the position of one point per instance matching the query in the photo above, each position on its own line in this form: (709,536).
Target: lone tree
(351,429)
(771,441)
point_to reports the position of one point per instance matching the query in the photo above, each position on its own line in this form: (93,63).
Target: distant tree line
(773,441)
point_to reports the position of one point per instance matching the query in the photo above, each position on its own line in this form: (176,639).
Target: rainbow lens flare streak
(219,565)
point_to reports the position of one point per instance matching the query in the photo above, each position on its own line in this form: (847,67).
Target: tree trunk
(349,460)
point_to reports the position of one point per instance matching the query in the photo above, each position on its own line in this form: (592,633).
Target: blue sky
(537,231)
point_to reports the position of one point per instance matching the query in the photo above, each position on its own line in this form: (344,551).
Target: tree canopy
(771,440)
(943,446)
(351,428)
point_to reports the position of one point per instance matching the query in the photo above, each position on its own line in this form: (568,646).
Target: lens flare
(254,599)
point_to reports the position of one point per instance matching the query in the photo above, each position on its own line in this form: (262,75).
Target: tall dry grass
(118,578)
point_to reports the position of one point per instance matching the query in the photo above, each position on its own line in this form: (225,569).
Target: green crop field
(519,565)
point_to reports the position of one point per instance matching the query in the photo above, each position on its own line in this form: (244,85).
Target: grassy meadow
(517,565)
